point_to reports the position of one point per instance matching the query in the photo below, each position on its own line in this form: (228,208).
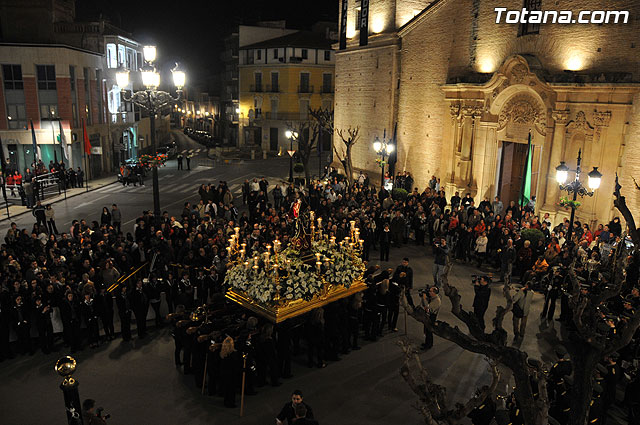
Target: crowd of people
(80,272)
(29,186)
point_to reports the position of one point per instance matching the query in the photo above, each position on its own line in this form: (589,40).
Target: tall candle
(318,265)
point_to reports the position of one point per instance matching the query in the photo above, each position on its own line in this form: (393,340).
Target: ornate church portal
(490,124)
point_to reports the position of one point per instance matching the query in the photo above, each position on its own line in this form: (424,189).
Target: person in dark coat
(266,357)
(140,303)
(228,371)
(43,323)
(104,307)
(314,334)
(385,243)
(123,301)
(481,298)
(90,315)
(22,325)
(288,411)
(483,414)
(70,313)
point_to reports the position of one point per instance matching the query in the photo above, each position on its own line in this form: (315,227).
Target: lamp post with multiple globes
(152,100)
(575,187)
(291,135)
(384,149)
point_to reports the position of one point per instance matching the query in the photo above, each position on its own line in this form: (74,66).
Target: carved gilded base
(289,309)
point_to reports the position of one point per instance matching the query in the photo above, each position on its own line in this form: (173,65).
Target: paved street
(129,379)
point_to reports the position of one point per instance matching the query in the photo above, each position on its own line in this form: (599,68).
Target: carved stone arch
(524,107)
(581,125)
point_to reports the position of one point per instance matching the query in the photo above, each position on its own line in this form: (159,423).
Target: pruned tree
(307,137)
(433,403)
(534,407)
(349,137)
(588,336)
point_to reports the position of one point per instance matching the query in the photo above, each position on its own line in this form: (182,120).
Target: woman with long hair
(228,369)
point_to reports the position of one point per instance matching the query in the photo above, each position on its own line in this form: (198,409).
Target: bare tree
(433,403)
(349,137)
(493,346)
(587,340)
(307,137)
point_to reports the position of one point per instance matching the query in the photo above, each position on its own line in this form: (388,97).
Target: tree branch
(621,204)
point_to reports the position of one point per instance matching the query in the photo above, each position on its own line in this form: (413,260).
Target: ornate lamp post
(65,366)
(575,187)
(291,135)
(384,150)
(152,100)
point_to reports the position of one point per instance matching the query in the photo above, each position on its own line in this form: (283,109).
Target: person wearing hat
(484,413)
(611,379)
(481,298)
(597,411)
(559,371)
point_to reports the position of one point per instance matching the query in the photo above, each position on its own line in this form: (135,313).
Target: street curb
(59,200)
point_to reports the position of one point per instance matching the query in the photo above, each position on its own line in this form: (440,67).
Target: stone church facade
(466,92)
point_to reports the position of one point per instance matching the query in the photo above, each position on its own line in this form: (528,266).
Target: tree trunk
(349,165)
(584,359)
(531,414)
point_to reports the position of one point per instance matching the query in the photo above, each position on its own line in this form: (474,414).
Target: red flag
(87,144)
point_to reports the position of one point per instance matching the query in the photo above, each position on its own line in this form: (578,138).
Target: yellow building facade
(279,81)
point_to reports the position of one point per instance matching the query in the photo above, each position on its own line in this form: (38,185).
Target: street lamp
(291,135)
(152,100)
(575,187)
(65,366)
(384,150)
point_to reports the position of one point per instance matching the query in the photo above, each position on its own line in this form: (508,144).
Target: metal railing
(305,89)
(326,89)
(257,88)
(273,88)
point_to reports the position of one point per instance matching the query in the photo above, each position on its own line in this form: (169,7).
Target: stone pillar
(557,146)
(465,149)
(452,151)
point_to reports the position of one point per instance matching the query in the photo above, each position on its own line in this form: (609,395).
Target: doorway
(273,138)
(513,157)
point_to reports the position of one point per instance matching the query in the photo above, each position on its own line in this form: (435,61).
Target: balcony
(327,89)
(283,116)
(305,89)
(273,88)
(256,88)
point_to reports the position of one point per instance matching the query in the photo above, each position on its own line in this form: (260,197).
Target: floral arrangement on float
(284,283)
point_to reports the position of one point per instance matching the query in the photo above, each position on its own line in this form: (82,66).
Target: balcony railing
(284,116)
(305,89)
(257,88)
(326,89)
(273,88)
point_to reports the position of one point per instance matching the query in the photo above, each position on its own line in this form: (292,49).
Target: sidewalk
(17,210)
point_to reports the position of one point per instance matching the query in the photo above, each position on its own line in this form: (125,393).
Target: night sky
(192,31)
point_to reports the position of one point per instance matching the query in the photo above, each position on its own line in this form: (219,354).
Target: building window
(17,116)
(258,80)
(12,77)
(74,115)
(87,96)
(121,55)
(326,83)
(304,83)
(72,77)
(112,56)
(529,28)
(250,57)
(46,77)
(259,54)
(275,53)
(274,82)
(327,55)
(48,111)
(358,18)
(139,61)
(305,54)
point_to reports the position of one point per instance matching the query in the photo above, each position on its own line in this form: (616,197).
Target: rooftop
(307,39)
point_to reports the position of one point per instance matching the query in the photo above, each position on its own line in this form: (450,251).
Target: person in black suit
(140,303)
(301,416)
(123,301)
(45,327)
(288,411)
(70,313)
(22,325)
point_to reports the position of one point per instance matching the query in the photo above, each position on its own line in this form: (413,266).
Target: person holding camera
(431,304)
(91,415)
(521,306)
(481,298)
